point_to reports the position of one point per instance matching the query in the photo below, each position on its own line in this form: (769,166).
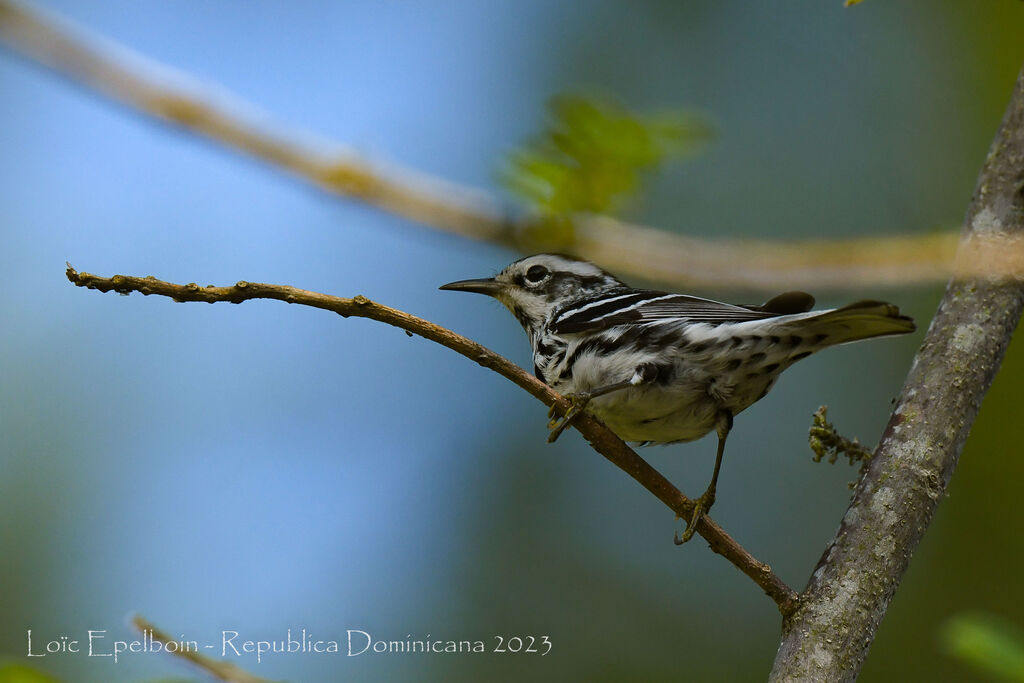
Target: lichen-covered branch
(600,437)
(219,669)
(827,442)
(828,636)
(160,92)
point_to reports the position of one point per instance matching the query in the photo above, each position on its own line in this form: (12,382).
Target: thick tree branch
(828,636)
(600,437)
(219,669)
(160,92)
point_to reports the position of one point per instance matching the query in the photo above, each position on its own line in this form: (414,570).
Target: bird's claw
(700,509)
(557,424)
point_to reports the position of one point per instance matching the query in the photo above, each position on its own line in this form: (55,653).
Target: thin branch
(160,92)
(600,437)
(173,97)
(220,669)
(828,636)
(827,442)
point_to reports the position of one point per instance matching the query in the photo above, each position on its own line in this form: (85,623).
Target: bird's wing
(641,306)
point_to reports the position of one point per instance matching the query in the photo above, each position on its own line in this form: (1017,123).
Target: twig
(158,91)
(826,442)
(225,671)
(828,636)
(600,437)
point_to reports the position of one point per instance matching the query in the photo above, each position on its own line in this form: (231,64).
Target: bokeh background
(264,467)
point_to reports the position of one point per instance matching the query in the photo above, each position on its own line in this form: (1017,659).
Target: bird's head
(535,286)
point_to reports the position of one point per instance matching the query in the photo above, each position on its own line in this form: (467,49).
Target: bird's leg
(643,374)
(707,499)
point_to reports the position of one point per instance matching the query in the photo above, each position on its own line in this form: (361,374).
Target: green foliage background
(258,467)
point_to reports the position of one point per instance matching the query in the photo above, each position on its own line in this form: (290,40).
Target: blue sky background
(263,467)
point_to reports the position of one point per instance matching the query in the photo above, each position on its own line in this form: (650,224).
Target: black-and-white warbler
(657,367)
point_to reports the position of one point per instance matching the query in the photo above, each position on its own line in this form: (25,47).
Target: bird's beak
(488,286)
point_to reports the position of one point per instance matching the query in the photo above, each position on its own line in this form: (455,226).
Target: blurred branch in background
(219,669)
(173,97)
(600,437)
(828,636)
(654,255)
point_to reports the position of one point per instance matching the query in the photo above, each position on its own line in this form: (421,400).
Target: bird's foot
(700,508)
(557,424)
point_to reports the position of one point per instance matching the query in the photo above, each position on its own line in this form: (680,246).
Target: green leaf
(19,673)
(987,643)
(592,157)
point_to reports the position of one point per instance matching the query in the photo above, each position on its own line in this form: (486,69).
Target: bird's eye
(536,273)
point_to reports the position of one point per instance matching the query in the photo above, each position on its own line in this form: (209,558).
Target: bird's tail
(859,320)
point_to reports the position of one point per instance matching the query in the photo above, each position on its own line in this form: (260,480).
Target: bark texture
(827,637)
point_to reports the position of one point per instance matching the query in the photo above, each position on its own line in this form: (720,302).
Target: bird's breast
(696,379)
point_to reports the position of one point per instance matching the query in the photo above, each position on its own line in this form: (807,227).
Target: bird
(658,367)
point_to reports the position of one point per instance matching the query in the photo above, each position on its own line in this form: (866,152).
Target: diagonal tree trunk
(827,637)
